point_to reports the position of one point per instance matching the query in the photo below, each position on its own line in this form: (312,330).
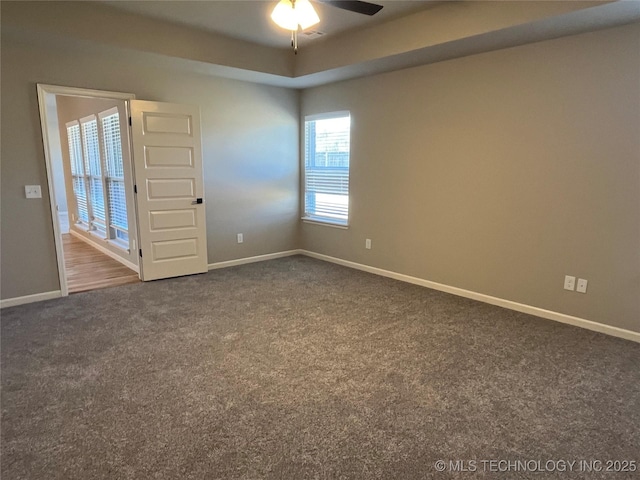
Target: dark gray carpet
(300,369)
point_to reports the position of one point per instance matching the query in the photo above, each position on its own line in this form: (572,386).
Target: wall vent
(313,33)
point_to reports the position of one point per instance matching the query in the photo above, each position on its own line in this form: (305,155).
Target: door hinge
(140,253)
(135,189)
(130,121)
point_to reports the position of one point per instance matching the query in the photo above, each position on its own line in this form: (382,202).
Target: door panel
(168,168)
(165,220)
(156,122)
(169,188)
(172,249)
(169,157)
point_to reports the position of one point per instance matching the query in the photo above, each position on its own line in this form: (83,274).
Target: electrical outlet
(569,282)
(367,244)
(582,285)
(240,238)
(32,191)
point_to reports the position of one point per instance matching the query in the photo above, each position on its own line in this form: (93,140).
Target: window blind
(112,146)
(77,172)
(75,150)
(117,204)
(94,172)
(327,152)
(80,191)
(115,175)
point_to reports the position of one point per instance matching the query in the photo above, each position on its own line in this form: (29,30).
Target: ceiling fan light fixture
(284,15)
(307,16)
(289,14)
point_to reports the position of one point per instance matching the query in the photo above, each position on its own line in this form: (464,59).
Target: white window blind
(327,152)
(115,175)
(93,171)
(77,171)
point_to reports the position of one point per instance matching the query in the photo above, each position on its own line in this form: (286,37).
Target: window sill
(121,244)
(117,243)
(99,234)
(326,223)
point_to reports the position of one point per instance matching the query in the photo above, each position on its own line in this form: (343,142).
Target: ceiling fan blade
(364,8)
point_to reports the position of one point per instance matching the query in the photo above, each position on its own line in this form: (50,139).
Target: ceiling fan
(364,8)
(300,14)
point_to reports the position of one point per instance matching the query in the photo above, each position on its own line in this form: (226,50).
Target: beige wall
(250,154)
(500,173)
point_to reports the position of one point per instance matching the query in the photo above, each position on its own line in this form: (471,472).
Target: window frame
(319,219)
(86,176)
(112,229)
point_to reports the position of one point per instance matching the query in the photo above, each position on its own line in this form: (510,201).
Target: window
(93,173)
(77,172)
(95,152)
(326,168)
(114,178)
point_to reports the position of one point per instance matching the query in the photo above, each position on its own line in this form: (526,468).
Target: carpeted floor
(300,369)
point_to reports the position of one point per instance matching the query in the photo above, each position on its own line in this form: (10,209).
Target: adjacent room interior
(93,204)
(352,248)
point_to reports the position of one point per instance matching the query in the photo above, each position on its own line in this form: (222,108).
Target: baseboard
(106,251)
(36,297)
(519,307)
(258,258)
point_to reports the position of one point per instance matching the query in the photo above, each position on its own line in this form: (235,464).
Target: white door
(167,153)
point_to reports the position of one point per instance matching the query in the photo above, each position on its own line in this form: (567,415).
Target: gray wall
(250,153)
(500,173)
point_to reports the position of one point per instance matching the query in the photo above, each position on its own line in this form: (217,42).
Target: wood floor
(90,269)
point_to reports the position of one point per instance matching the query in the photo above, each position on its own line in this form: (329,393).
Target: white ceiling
(250,19)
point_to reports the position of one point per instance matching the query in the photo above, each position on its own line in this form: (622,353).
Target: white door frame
(43,90)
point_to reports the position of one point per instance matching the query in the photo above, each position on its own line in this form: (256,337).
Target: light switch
(569,282)
(32,191)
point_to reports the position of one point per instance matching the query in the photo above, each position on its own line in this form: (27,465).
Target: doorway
(164,231)
(90,177)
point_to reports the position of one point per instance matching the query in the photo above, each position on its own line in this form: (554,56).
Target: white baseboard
(106,251)
(36,297)
(519,307)
(258,258)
